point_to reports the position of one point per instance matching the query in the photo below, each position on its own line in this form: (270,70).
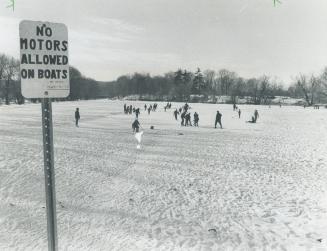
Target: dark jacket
(77,116)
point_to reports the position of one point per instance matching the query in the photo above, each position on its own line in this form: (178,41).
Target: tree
(308,87)
(263,90)
(226,80)
(10,74)
(198,84)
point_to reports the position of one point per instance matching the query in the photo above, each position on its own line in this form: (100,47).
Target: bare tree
(211,82)
(11,74)
(263,89)
(308,86)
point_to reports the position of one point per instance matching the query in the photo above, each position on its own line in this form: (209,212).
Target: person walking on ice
(239,113)
(218,120)
(175,114)
(256,115)
(136,126)
(137,112)
(77,116)
(196,119)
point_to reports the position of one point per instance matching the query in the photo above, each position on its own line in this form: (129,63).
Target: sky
(109,38)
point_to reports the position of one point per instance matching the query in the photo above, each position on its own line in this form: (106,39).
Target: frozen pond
(246,187)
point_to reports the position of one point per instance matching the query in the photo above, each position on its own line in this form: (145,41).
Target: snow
(244,187)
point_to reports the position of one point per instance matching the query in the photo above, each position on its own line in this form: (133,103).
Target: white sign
(44,67)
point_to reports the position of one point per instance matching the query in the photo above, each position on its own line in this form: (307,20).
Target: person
(145,107)
(175,114)
(218,120)
(196,119)
(252,120)
(125,109)
(188,119)
(149,110)
(137,112)
(183,117)
(136,125)
(186,106)
(130,109)
(77,116)
(256,115)
(239,113)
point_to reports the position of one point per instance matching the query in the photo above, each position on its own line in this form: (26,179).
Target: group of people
(183,111)
(150,107)
(254,117)
(168,106)
(186,116)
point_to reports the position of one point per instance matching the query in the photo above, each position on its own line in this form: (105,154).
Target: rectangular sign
(44,67)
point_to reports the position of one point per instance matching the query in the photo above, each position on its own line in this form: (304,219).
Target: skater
(183,118)
(149,110)
(136,125)
(188,119)
(252,120)
(256,115)
(137,112)
(145,106)
(186,106)
(218,120)
(77,116)
(125,109)
(175,114)
(130,109)
(196,119)
(239,113)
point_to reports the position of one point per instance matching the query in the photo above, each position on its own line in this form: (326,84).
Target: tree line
(206,86)
(81,87)
(179,85)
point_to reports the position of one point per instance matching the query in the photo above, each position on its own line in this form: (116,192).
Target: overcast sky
(108,38)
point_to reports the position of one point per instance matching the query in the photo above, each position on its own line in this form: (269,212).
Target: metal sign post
(49,174)
(44,72)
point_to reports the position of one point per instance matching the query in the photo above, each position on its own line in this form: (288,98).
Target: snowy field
(246,187)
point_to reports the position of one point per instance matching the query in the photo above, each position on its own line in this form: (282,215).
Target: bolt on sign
(44,67)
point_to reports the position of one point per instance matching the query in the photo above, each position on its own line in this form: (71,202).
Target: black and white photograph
(154,125)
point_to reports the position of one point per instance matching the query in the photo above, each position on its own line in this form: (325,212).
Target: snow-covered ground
(247,187)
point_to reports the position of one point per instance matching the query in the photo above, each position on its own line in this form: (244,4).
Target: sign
(44,67)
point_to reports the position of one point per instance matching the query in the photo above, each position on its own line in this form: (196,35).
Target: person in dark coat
(137,112)
(136,125)
(188,119)
(175,114)
(218,120)
(77,117)
(256,115)
(183,118)
(239,113)
(196,119)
